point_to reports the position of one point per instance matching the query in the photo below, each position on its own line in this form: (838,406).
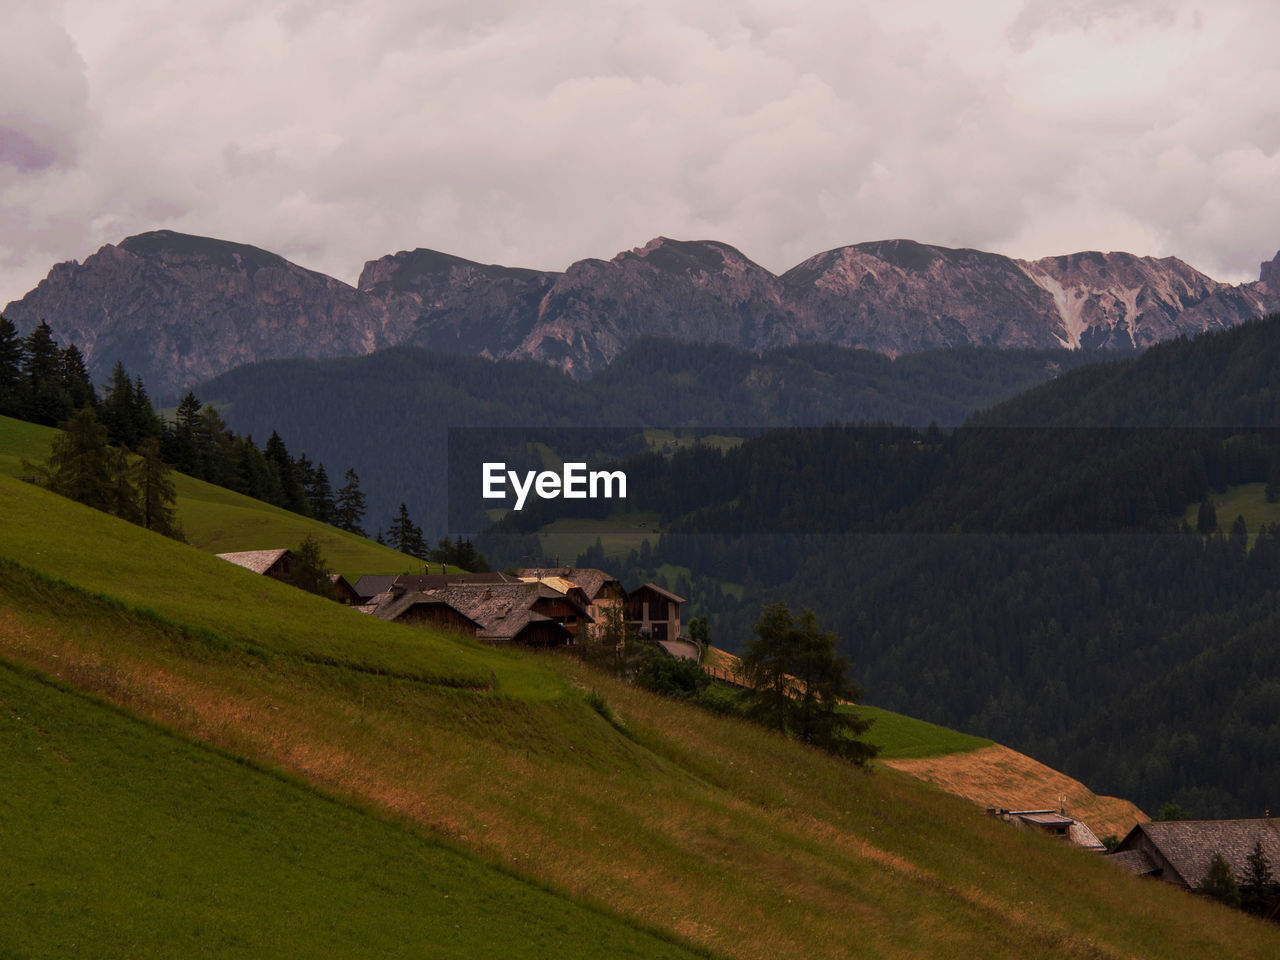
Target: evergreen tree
(215,448)
(10,369)
(118,407)
(291,481)
(253,477)
(799,685)
(181,447)
(1239,536)
(75,378)
(156,496)
(320,495)
(146,422)
(349,508)
(1219,883)
(81,461)
(1206,518)
(188,415)
(459,552)
(44,400)
(405,536)
(1259,893)
(310,570)
(122,495)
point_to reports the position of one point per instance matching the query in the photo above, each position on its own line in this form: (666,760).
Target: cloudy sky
(537,134)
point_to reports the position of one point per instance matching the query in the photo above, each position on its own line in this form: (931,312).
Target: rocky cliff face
(702,291)
(179,309)
(1119,301)
(442,302)
(896,296)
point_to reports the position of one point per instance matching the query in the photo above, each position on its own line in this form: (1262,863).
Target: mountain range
(178,309)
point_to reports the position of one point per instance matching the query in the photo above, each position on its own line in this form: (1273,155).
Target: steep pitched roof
(370,585)
(259,561)
(590,580)
(657,589)
(1135,861)
(1189,844)
(395,607)
(500,610)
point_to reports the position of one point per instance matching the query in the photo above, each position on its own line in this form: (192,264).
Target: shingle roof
(370,585)
(590,580)
(501,610)
(429,581)
(259,561)
(395,607)
(1135,861)
(1080,834)
(1189,844)
(1045,819)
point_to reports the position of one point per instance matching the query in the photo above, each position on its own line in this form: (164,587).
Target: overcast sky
(535,134)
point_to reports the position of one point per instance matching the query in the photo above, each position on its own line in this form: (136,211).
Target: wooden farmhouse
(491,607)
(417,608)
(343,592)
(1055,823)
(654,611)
(1178,851)
(596,590)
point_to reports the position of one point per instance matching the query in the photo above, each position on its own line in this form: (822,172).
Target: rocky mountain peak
(178,308)
(177,249)
(1270,274)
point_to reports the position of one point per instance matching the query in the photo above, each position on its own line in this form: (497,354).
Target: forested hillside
(388,414)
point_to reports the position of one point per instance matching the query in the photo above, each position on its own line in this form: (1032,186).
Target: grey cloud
(538,134)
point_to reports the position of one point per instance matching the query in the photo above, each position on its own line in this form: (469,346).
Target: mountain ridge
(178,309)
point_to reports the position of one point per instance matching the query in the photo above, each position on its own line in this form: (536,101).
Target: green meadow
(215,603)
(122,839)
(1249,500)
(218,520)
(902,738)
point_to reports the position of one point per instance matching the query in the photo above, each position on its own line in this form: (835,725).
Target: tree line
(44,383)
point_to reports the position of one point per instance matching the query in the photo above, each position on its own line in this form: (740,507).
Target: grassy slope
(218,520)
(996,776)
(210,600)
(124,840)
(900,737)
(708,828)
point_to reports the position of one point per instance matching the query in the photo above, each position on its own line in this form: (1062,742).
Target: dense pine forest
(389,413)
